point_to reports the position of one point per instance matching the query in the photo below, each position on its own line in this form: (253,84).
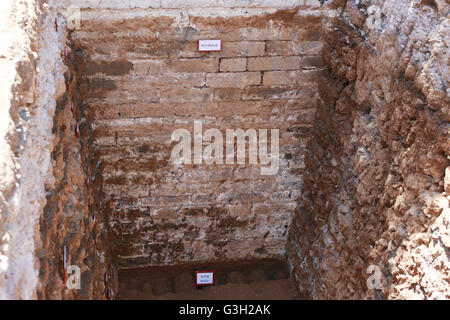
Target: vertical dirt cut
(378,166)
(73,216)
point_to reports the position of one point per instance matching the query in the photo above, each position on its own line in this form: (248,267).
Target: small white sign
(209,45)
(203,278)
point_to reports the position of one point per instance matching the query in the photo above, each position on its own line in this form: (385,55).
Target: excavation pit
(356,208)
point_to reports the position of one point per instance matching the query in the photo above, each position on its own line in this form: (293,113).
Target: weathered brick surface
(158,67)
(227,94)
(289,48)
(233,80)
(277,93)
(192,65)
(114,68)
(239,64)
(312,62)
(273,63)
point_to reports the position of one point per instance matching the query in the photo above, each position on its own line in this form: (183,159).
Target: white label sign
(209,45)
(204,278)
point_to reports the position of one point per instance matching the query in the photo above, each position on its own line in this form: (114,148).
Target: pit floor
(252,280)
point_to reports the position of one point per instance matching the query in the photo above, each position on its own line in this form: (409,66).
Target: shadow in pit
(266,279)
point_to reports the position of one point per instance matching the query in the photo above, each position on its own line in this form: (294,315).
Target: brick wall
(145,78)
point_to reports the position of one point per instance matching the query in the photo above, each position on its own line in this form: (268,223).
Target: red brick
(273,63)
(233,80)
(146,110)
(243,49)
(312,62)
(264,93)
(291,48)
(165,80)
(193,65)
(183,65)
(186,95)
(233,65)
(104,111)
(287,78)
(227,94)
(114,68)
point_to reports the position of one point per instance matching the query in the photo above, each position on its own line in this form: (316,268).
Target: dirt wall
(378,164)
(31,82)
(43,198)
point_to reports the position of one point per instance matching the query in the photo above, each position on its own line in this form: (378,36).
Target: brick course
(274,63)
(233,80)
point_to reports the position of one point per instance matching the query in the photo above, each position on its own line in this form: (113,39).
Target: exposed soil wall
(32,80)
(378,164)
(73,215)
